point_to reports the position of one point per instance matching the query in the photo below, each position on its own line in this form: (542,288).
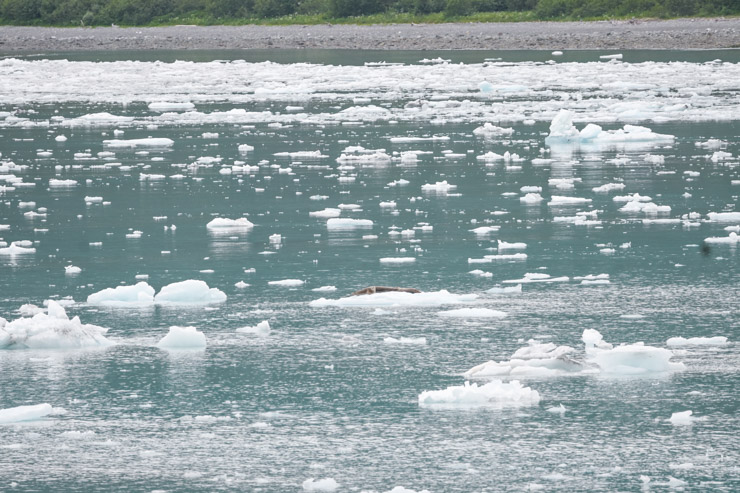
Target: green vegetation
(167,12)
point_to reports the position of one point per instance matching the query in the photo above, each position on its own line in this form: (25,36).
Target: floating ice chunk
(261,329)
(72,270)
(171,106)
(348,223)
(557,409)
(61,138)
(97,119)
(536,277)
(557,53)
(51,331)
(287,283)
(718,156)
(398,183)
(301,155)
(505,289)
(325,484)
(182,338)
(439,187)
(225,223)
(562,129)
(53,182)
(15,249)
(329,212)
(241,285)
(25,413)
(149,142)
(396,298)
(495,393)
(325,289)
(484,230)
(617,56)
(397,260)
(684,418)
(537,359)
(434,138)
(732,239)
(244,148)
(489,130)
(609,187)
(531,198)
(480,273)
(724,217)
(473,313)
(141,293)
(697,341)
(530,189)
(675,483)
(421,341)
(504,245)
(563,200)
(189,292)
(627,359)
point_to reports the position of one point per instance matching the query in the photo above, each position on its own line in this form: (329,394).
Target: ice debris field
(179,241)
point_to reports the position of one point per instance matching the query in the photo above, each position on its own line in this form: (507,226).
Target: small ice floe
(484,230)
(183,338)
(697,341)
(325,484)
(489,130)
(57,183)
(557,409)
(325,289)
(21,414)
(495,394)
(261,329)
(15,249)
(531,198)
(557,53)
(609,187)
(72,270)
(397,298)
(287,283)
(503,245)
(244,148)
(61,138)
(162,106)
(563,130)
(558,200)
(441,187)
(593,279)
(537,359)
(328,213)
(480,273)
(398,260)
(225,223)
(52,330)
(189,292)
(130,143)
(684,418)
(616,56)
(339,224)
(732,239)
(421,341)
(627,359)
(505,289)
(533,277)
(473,313)
(301,155)
(241,285)
(724,217)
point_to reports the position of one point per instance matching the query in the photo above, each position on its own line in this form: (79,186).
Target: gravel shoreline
(635,34)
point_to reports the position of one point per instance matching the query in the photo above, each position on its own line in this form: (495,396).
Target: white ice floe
(473,313)
(141,293)
(325,289)
(627,359)
(724,217)
(562,129)
(697,341)
(57,183)
(21,414)
(484,230)
(732,239)
(171,106)
(505,289)
(189,292)
(439,187)
(15,249)
(556,200)
(337,224)
(325,484)
(225,223)
(684,418)
(397,260)
(287,283)
(533,277)
(495,394)
(504,245)
(328,213)
(72,270)
(130,143)
(261,329)
(421,341)
(183,338)
(489,130)
(395,298)
(536,359)
(52,330)
(531,198)
(609,187)
(401,489)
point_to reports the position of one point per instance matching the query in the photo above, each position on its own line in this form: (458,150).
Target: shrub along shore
(285,12)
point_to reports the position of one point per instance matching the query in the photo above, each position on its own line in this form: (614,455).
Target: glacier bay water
(324,395)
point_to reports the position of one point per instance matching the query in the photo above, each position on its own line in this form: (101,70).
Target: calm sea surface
(326,394)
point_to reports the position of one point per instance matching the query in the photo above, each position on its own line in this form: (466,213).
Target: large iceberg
(52,330)
(496,394)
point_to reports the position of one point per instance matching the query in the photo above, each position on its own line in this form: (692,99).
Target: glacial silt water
(333,391)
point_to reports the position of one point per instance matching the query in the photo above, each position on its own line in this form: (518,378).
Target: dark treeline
(143,12)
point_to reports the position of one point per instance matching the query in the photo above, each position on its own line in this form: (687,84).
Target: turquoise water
(323,395)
